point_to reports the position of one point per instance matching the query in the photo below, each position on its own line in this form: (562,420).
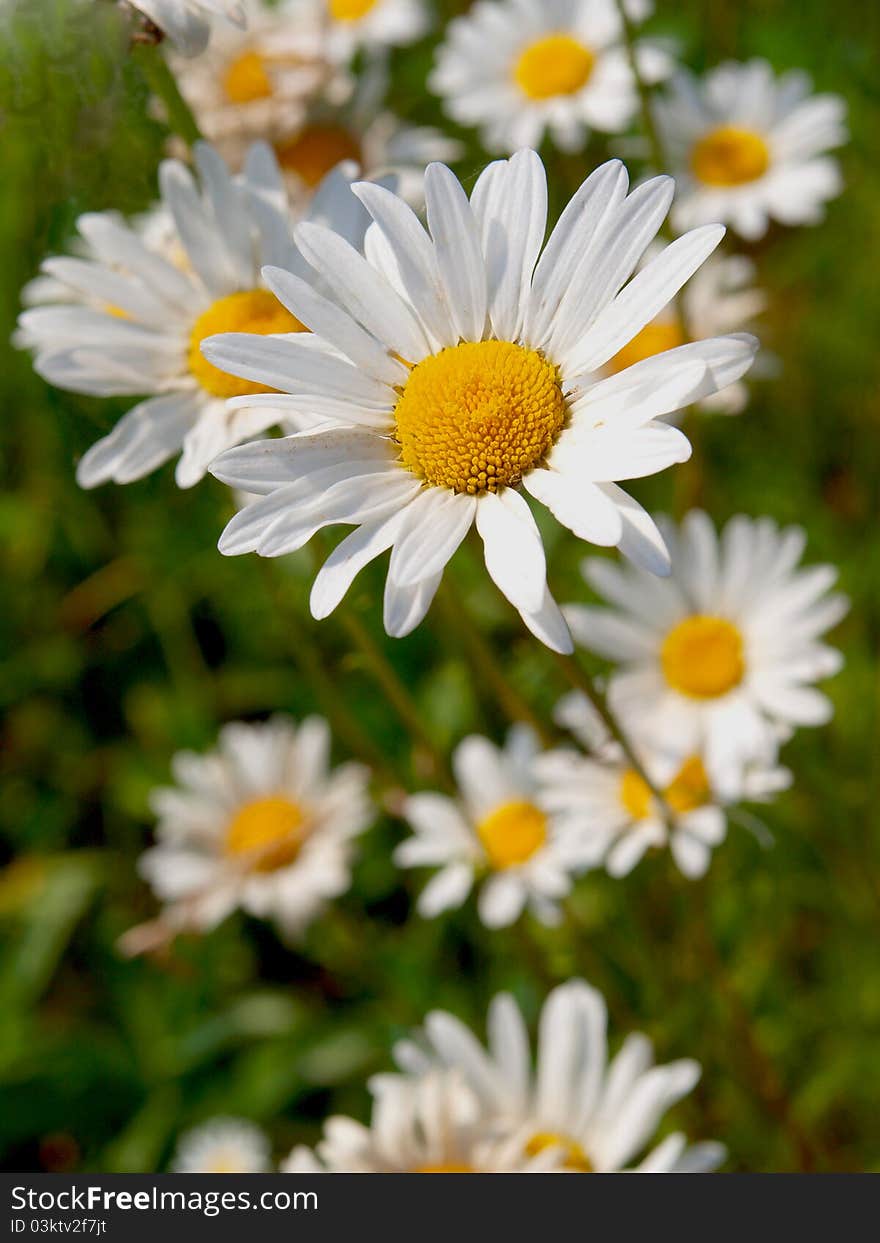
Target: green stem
(644,92)
(162,83)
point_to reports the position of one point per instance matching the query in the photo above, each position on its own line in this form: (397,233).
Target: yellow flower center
(554,65)
(224,1165)
(247,78)
(654,338)
(477,416)
(267,833)
(450,1168)
(512,833)
(702,657)
(350,10)
(253,310)
(315,150)
(574,1156)
(730,156)
(688,790)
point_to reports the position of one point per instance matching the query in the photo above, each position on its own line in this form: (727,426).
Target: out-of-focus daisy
(719,298)
(606,801)
(138,305)
(223,1146)
(432,1125)
(187,23)
(499,831)
(599,1116)
(521,68)
(369,24)
(748,147)
(720,655)
(463,366)
(261,823)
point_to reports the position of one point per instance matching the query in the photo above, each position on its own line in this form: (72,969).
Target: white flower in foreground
(599,1116)
(262,823)
(258,83)
(606,801)
(450,369)
(719,298)
(187,23)
(137,306)
(520,68)
(500,832)
(720,655)
(433,1125)
(748,147)
(223,1146)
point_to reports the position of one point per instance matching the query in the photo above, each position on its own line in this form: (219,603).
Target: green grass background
(125,636)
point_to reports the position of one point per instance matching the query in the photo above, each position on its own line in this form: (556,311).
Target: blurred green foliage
(126,637)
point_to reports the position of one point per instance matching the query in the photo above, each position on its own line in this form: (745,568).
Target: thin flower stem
(653,134)
(487,668)
(162,83)
(581,681)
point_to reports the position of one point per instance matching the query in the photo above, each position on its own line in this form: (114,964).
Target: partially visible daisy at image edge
(451,370)
(188,23)
(262,823)
(223,1146)
(601,797)
(372,25)
(747,147)
(597,1115)
(433,1125)
(126,313)
(721,655)
(518,69)
(497,835)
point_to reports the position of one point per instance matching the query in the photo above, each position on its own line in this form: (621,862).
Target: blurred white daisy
(521,68)
(432,1125)
(223,1146)
(138,301)
(608,803)
(187,23)
(719,298)
(262,823)
(499,833)
(257,83)
(599,1116)
(369,24)
(720,655)
(748,147)
(463,365)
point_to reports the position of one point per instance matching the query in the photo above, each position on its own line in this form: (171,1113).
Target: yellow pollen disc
(729,156)
(116,311)
(225,1165)
(689,789)
(477,416)
(574,1156)
(554,65)
(315,150)
(451,1168)
(702,657)
(253,310)
(267,832)
(635,795)
(512,833)
(350,10)
(654,338)
(247,79)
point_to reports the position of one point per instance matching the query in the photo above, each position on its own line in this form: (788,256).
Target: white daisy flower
(597,1115)
(137,306)
(370,24)
(223,1146)
(518,69)
(261,823)
(463,365)
(606,801)
(499,831)
(187,23)
(432,1125)
(748,147)
(720,655)
(719,298)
